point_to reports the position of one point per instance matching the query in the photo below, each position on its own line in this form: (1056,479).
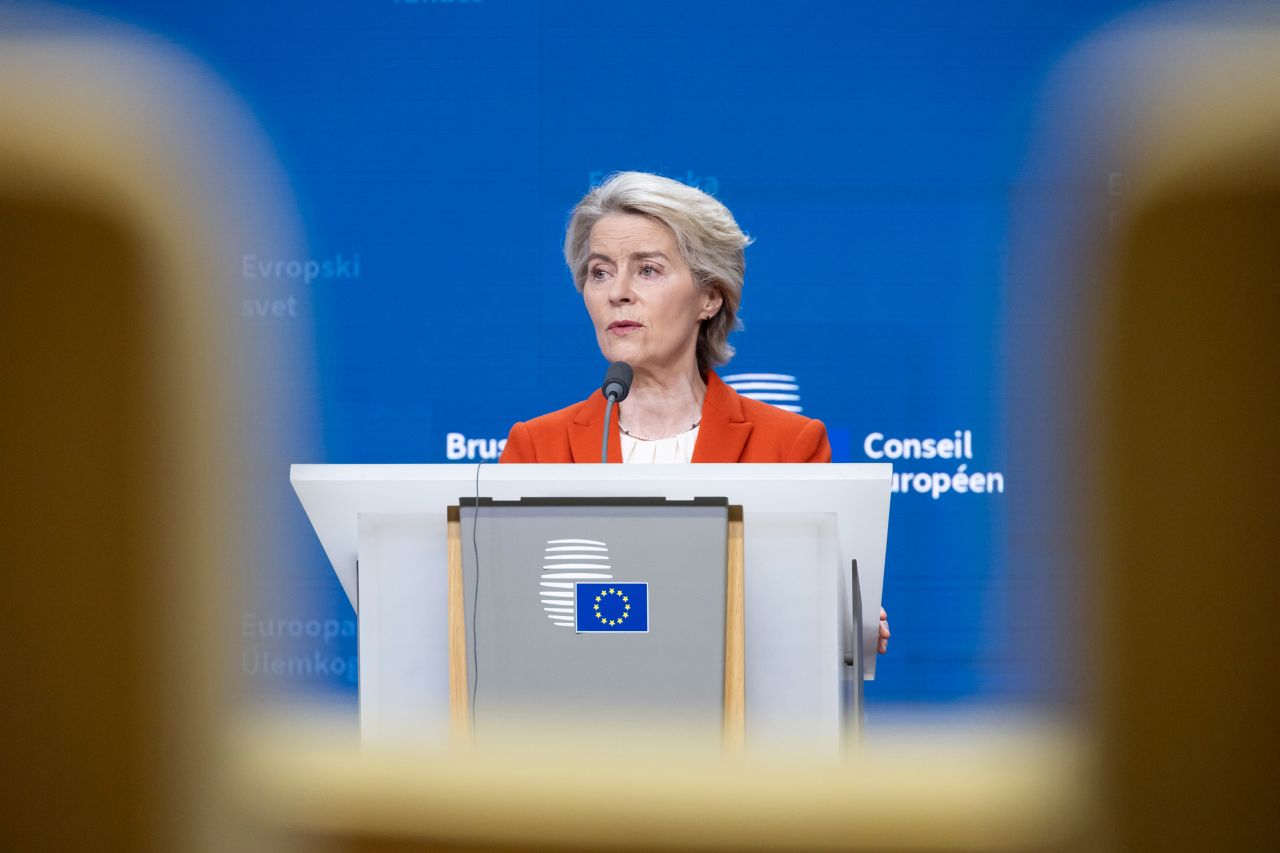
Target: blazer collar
(587,427)
(724,429)
(722,433)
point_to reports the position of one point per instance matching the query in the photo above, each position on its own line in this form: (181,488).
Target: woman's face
(640,293)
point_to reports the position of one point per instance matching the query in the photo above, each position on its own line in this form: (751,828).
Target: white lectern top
(777,499)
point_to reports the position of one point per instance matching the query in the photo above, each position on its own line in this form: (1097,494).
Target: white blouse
(676,449)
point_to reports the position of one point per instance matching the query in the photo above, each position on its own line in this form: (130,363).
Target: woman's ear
(712,306)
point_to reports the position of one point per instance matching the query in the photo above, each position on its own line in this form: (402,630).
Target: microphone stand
(604,439)
(617,384)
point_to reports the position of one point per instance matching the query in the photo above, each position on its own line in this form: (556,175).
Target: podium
(813,538)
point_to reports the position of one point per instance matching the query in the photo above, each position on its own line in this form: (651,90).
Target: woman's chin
(619,351)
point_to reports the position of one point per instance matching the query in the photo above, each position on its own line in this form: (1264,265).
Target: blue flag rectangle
(612,608)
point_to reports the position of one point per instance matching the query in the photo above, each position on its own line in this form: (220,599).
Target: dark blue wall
(435,149)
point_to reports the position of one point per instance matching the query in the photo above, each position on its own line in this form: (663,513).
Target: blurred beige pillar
(121,478)
(1188,448)
(1159,292)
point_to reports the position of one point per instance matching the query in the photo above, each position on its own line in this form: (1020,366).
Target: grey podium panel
(524,650)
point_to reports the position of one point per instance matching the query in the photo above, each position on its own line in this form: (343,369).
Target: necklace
(626,432)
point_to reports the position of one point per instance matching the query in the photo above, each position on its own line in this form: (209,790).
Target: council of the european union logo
(567,561)
(778,389)
(611,608)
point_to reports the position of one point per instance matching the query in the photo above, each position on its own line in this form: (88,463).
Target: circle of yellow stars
(626,606)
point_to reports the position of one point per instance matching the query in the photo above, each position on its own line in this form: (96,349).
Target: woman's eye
(598,274)
(648,270)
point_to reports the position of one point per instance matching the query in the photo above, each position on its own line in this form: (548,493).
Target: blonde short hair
(709,239)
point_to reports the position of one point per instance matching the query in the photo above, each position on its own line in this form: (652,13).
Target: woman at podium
(660,266)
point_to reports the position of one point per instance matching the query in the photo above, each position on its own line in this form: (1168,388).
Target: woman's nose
(620,290)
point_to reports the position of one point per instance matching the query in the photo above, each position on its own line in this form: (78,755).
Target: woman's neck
(660,406)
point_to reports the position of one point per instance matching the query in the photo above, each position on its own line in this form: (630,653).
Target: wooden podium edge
(459,699)
(735,687)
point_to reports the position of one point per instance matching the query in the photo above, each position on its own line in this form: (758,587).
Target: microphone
(617,384)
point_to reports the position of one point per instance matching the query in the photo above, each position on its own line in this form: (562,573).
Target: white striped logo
(565,562)
(777,389)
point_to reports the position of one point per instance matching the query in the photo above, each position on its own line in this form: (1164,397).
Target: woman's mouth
(622,328)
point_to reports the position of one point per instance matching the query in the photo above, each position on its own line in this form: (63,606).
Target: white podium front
(384,529)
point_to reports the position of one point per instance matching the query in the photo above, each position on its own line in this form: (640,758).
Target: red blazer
(733,429)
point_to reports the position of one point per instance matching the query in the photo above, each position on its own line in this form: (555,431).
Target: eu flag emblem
(612,608)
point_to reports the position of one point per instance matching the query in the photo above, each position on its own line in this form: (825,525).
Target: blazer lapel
(585,431)
(724,428)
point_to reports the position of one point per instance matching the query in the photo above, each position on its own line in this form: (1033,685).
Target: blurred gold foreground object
(980,784)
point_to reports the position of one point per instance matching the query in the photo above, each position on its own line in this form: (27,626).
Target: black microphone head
(617,381)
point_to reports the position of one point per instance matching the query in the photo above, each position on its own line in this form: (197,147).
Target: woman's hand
(884,632)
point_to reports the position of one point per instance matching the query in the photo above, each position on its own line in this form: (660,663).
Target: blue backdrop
(871,149)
